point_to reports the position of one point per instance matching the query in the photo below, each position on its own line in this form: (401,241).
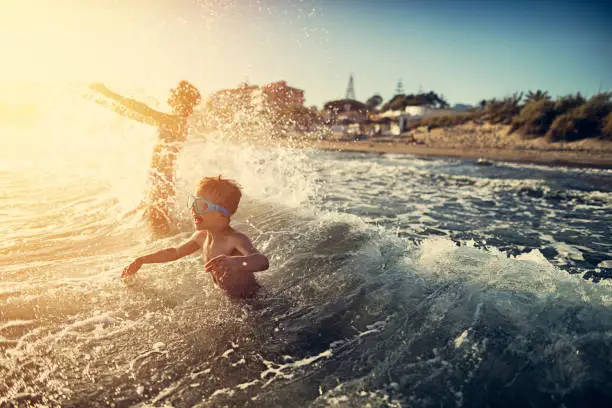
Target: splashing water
(394,281)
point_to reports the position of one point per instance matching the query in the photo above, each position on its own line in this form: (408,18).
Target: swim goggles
(201,205)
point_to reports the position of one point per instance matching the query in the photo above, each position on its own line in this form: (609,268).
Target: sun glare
(72,41)
(39,43)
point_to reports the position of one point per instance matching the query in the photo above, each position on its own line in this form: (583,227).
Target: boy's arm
(166,255)
(131,108)
(249,260)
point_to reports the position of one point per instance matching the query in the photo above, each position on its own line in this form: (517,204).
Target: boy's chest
(212,249)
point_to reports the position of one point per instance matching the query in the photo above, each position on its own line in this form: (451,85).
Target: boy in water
(228,255)
(173,129)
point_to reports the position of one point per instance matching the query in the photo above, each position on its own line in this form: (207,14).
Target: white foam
(278,175)
(605,264)
(568,251)
(275,371)
(460,339)
(534,256)
(441,259)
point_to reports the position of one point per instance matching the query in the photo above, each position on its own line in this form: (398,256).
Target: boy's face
(208,219)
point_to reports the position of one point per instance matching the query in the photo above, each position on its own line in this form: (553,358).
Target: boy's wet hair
(224,192)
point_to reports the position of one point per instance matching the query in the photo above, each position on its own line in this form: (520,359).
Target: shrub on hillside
(503,111)
(606,127)
(566,103)
(535,118)
(564,128)
(583,121)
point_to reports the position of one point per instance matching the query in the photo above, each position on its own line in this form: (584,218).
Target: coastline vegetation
(568,118)
(532,115)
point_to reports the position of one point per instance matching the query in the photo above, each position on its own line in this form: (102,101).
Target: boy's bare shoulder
(239,236)
(242,242)
(199,236)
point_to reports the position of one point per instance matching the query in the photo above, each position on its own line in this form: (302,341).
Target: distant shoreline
(472,141)
(569,158)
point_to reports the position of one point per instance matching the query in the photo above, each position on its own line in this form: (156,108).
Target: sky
(465,50)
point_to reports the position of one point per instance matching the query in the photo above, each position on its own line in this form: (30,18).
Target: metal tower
(399,88)
(350,89)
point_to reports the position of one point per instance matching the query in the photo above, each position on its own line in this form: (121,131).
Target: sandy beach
(478,141)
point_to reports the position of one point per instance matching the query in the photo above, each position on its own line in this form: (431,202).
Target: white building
(417,112)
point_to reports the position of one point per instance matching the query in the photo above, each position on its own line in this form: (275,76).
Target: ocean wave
(394,281)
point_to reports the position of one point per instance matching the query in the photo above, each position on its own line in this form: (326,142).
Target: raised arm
(130,108)
(167,255)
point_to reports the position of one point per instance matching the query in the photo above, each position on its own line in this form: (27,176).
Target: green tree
(442,103)
(536,96)
(411,100)
(374,101)
(430,98)
(398,102)
(344,105)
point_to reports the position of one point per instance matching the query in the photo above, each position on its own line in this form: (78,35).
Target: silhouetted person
(173,130)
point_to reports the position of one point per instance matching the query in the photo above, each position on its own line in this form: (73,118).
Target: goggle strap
(192,200)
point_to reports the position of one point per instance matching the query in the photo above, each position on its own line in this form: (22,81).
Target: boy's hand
(222,266)
(99,87)
(131,269)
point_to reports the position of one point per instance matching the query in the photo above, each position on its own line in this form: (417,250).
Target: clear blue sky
(475,49)
(465,50)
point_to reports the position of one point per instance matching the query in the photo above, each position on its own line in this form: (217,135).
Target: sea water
(394,280)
